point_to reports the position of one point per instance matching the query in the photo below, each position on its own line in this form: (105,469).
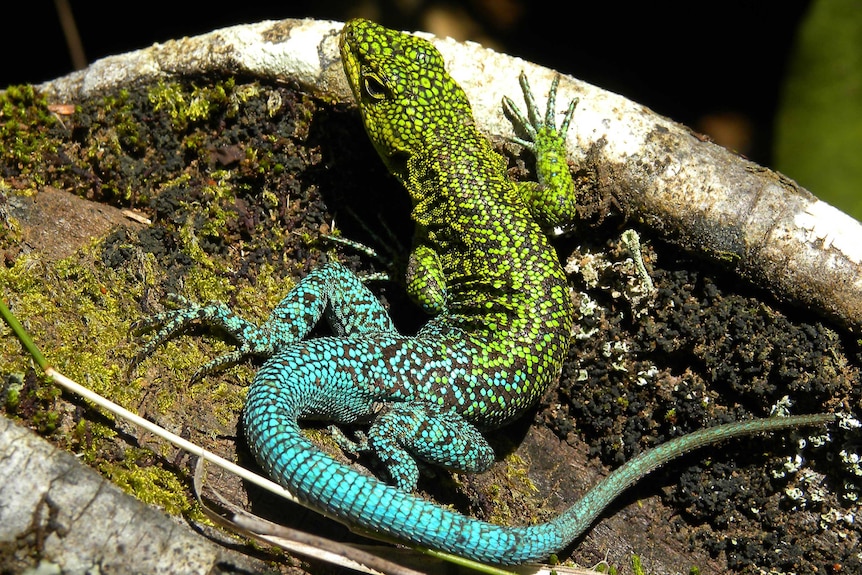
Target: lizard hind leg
(414,430)
(331,291)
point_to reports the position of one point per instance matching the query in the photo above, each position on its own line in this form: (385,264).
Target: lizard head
(402,89)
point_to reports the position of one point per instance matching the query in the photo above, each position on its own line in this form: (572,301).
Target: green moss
(25,126)
(72,312)
(186,107)
(261,161)
(133,147)
(226,400)
(118,111)
(518,472)
(189,236)
(10,229)
(87,437)
(511,488)
(46,421)
(259,299)
(79,313)
(94,305)
(150,484)
(12,386)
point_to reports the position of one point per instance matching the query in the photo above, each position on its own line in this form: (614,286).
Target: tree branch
(692,192)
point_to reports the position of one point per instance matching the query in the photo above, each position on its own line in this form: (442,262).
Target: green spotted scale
(482,266)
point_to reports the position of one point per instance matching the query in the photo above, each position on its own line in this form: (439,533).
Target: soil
(239,200)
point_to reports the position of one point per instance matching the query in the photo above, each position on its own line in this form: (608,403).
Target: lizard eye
(374,87)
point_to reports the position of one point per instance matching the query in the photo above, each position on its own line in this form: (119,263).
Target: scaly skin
(502,318)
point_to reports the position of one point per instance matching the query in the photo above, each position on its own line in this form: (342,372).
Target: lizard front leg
(551,200)
(425,281)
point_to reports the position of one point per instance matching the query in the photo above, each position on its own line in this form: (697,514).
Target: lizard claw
(168,323)
(350,446)
(552,201)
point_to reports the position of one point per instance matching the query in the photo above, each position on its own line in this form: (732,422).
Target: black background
(710,65)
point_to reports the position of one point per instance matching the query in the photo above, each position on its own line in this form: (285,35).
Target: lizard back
(505,291)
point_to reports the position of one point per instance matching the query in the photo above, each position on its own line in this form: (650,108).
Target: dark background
(715,66)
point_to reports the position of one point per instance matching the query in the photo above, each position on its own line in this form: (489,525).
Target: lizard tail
(279,397)
(577,519)
(339,492)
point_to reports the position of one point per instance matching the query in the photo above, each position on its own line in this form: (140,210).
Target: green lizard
(502,316)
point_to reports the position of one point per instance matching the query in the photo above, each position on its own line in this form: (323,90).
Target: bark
(60,514)
(694,193)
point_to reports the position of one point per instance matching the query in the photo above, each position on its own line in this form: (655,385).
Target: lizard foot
(167,324)
(533,125)
(551,200)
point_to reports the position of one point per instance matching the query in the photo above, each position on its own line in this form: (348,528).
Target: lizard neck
(452,179)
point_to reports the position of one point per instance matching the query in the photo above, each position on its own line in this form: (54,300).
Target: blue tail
(271,423)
